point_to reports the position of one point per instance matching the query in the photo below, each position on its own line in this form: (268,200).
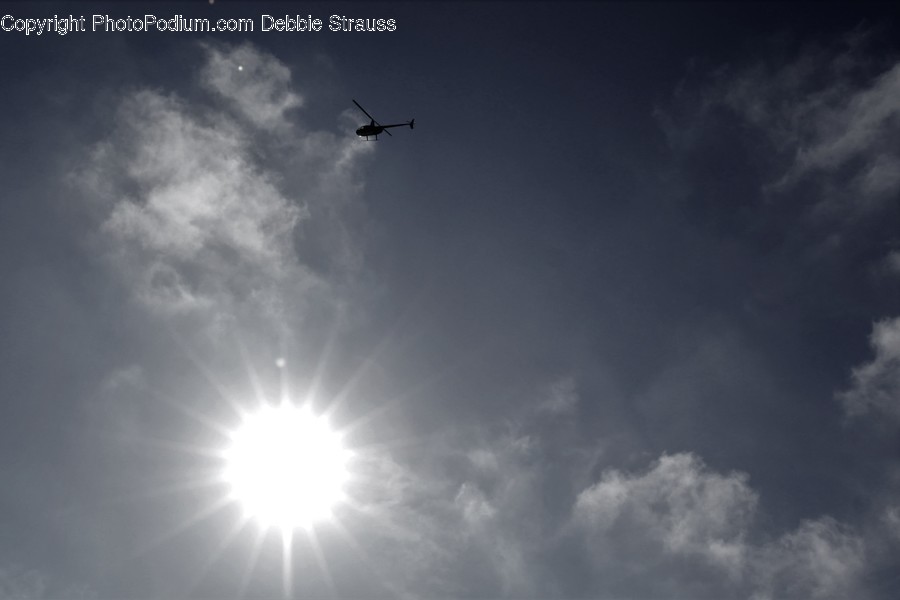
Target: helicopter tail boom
(409,124)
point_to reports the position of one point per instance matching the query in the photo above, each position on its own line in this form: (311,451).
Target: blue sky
(617,319)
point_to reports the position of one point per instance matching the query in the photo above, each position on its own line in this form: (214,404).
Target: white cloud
(829,117)
(501,516)
(822,107)
(876,384)
(473,518)
(678,502)
(680,510)
(409,520)
(197,224)
(820,559)
(253,82)
(462,517)
(858,125)
(202,224)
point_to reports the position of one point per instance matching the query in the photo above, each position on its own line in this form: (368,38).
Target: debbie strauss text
(335,23)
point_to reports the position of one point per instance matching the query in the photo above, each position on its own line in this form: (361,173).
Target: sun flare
(286,467)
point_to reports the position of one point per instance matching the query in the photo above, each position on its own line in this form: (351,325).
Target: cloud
(689,528)
(876,384)
(195,224)
(794,150)
(891,519)
(474,513)
(678,503)
(834,130)
(409,527)
(793,155)
(820,559)
(501,513)
(517,510)
(20,583)
(506,515)
(202,218)
(891,262)
(831,113)
(561,397)
(473,533)
(255,84)
(115,408)
(504,520)
(473,504)
(17,582)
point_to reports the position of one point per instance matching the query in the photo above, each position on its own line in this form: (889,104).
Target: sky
(618,319)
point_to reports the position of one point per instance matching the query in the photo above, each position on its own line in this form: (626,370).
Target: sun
(286,467)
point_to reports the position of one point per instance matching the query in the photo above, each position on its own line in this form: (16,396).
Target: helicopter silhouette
(374,128)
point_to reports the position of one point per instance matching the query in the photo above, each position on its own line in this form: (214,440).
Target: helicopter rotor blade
(364,110)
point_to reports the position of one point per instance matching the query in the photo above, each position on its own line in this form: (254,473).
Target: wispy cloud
(562,397)
(465,514)
(793,155)
(679,510)
(678,502)
(196,222)
(821,120)
(891,518)
(20,583)
(493,510)
(17,582)
(252,82)
(205,226)
(820,559)
(876,384)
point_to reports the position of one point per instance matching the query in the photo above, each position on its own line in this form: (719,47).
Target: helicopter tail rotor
(412,123)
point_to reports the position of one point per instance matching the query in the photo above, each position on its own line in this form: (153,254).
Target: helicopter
(374,128)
